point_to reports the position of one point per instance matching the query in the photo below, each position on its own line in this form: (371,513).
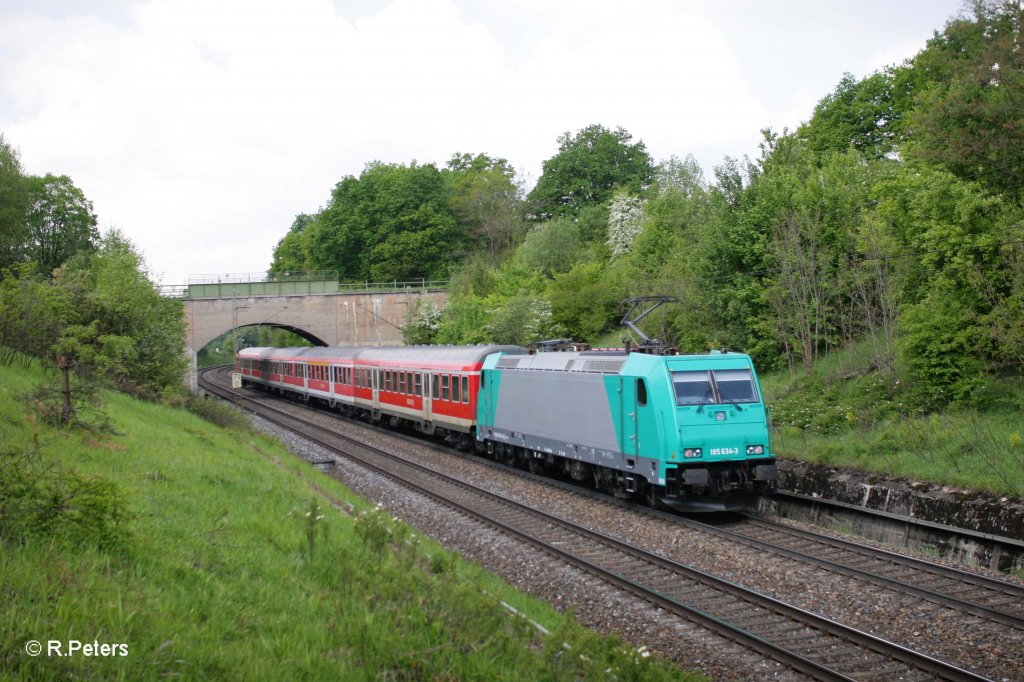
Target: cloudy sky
(201,127)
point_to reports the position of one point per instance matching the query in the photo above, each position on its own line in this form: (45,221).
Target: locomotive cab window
(641,392)
(735,386)
(693,388)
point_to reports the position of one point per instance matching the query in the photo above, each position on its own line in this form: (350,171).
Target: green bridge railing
(234,285)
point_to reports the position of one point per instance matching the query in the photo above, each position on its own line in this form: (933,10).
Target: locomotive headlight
(692,452)
(755,449)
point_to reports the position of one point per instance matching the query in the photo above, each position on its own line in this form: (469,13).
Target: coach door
(428,414)
(375,383)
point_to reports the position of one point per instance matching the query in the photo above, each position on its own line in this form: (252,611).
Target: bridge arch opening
(221,350)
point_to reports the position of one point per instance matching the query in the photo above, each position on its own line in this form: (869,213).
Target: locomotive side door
(628,416)
(649,438)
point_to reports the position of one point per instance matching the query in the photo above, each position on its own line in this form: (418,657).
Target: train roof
(332,352)
(449,357)
(565,361)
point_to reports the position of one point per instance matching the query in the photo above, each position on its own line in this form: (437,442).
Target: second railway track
(807,643)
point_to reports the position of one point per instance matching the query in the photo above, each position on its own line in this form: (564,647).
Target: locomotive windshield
(693,388)
(720,386)
(735,386)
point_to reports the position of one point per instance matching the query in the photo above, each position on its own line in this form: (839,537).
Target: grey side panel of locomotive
(564,414)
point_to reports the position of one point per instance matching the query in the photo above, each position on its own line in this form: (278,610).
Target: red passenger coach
(431,388)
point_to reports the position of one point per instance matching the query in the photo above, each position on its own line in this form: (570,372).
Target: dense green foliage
(212,553)
(75,300)
(60,222)
(397,222)
(101,314)
(13,206)
(587,169)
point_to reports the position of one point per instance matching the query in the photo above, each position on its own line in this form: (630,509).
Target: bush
(940,347)
(51,502)
(216,411)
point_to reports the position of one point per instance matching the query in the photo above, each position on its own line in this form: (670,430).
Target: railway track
(805,642)
(978,595)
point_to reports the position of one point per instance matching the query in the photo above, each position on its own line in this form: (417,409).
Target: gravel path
(966,641)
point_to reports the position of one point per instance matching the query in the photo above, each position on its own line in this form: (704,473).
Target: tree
(587,300)
(625,220)
(290,252)
(486,198)
(588,167)
(522,320)
(970,117)
(862,115)
(13,205)
(551,248)
(118,325)
(60,221)
(422,321)
(392,222)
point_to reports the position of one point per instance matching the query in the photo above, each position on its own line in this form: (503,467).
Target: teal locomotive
(683,431)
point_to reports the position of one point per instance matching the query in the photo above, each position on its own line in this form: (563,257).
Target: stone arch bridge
(371,317)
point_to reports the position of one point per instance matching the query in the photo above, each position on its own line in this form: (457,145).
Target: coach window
(435,392)
(465,390)
(456,395)
(417,383)
(444,386)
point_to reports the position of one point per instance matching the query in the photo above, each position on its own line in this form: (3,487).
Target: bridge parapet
(289,283)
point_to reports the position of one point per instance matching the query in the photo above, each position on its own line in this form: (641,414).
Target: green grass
(846,411)
(236,561)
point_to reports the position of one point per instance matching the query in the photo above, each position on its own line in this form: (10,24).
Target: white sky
(201,127)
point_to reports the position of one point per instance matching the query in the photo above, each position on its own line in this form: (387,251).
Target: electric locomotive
(684,431)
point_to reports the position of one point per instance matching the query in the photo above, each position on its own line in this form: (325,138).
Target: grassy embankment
(211,553)
(846,411)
